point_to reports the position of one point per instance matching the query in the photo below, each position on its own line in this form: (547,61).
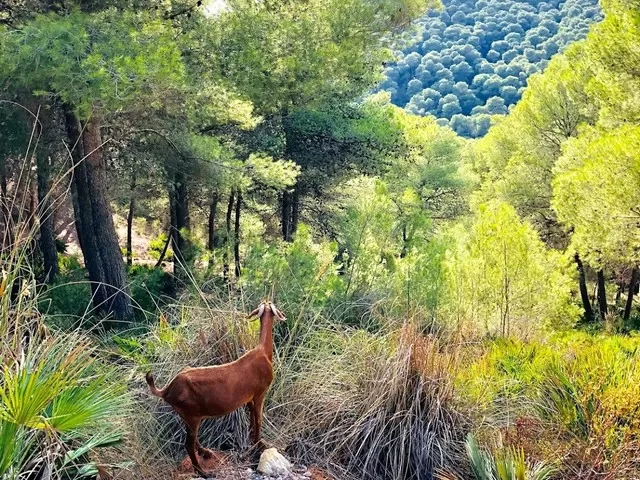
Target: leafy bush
(58,404)
(58,400)
(148,287)
(503,279)
(301,275)
(578,398)
(156,246)
(502,464)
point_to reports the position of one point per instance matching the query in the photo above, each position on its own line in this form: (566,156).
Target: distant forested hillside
(472,59)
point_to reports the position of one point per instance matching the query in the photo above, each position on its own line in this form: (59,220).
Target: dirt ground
(224,466)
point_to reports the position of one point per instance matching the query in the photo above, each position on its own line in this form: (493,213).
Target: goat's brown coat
(205,392)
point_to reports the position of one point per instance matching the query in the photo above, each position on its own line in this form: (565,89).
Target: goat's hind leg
(191,443)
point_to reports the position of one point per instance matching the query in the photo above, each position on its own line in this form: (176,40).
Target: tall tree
(263,52)
(95,64)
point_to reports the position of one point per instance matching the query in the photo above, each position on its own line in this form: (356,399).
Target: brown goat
(206,392)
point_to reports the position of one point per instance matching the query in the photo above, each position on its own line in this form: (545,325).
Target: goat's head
(267,307)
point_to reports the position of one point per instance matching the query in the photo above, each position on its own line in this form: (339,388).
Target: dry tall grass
(366,405)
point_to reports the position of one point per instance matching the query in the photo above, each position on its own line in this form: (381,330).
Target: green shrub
(582,390)
(58,400)
(58,404)
(61,246)
(502,464)
(70,267)
(156,245)
(67,303)
(301,276)
(148,286)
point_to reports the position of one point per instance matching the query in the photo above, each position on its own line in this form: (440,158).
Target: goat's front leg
(252,418)
(257,411)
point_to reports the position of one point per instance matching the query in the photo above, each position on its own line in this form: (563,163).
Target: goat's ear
(257,312)
(278,313)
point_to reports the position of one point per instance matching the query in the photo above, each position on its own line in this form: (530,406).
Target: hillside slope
(472,59)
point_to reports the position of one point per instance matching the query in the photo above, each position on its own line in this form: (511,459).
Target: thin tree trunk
(602,294)
(584,293)
(5,210)
(286,216)
(181,246)
(164,250)
(173,220)
(295,212)
(47,234)
(75,203)
(104,229)
(132,206)
(632,289)
(236,235)
(83,212)
(213,208)
(290,213)
(130,232)
(33,203)
(403,252)
(225,256)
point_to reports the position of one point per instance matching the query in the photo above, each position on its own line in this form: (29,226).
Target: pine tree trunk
(602,295)
(181,245)
(632,289)
(33,203)
(225,256)
(132,207)
(295,212)
(47,234)
(286,216)
(173,220)
(83,213)
(213,208)
(584,293)
(75,203)
(119,302)
(236,235)
(5,210)
(290,213)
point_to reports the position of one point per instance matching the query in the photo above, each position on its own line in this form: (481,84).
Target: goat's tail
(152,386)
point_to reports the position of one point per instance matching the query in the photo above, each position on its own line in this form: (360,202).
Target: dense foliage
(472,60)
(456,308)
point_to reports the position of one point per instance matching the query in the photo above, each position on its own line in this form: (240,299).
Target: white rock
(272,463)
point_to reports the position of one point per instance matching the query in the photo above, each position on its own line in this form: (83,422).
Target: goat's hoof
(206,453)
(203,474)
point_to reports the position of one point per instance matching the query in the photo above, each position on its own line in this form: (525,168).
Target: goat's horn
(260,311)
(274,310)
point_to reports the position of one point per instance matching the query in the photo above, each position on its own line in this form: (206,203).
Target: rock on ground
(225,466)
(273,464)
